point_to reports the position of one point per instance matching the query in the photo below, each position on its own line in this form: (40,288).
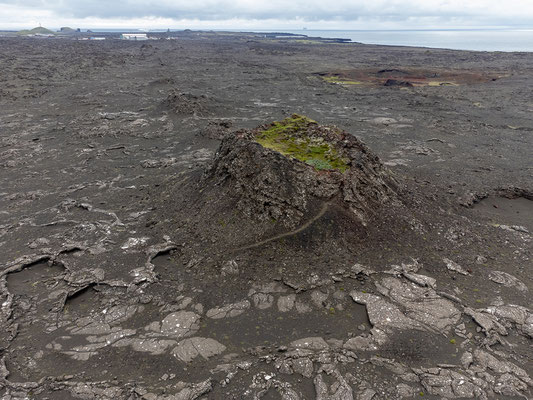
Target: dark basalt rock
(270,185)
(395,82)
(186,103)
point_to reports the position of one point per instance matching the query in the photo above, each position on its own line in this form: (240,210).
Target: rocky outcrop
(286,169)
(186,104)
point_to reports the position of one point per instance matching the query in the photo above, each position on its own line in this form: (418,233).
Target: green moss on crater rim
(291,137)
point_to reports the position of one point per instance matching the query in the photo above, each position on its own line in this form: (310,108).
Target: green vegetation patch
(39,30)
(293,138)
(339,80)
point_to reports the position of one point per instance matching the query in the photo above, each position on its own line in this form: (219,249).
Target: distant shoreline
(493,40)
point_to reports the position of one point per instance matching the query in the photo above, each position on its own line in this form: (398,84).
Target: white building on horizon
(134,36)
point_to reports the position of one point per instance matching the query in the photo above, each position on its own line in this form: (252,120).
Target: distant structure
(97,38)
(134,36)
(68,30)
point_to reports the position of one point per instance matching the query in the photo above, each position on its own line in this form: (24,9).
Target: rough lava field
(229,216)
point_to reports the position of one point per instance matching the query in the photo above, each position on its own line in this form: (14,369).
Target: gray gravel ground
(125,274)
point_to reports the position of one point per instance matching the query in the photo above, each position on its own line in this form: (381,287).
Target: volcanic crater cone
(290,170)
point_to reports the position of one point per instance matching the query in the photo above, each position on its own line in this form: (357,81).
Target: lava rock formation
(284,170)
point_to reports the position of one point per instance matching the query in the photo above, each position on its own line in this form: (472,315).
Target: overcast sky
(267,14)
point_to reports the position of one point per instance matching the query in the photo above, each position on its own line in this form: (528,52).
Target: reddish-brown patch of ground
(408,77)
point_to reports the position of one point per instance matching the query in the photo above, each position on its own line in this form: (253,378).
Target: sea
(464,39)
(457,39)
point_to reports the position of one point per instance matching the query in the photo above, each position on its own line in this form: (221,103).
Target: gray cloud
(492,12)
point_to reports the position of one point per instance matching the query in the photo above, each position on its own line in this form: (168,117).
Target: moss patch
(293,138)
(339,80)
(441,83)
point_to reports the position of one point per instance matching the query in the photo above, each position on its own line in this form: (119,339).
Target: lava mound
(289,170)
(186,104)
